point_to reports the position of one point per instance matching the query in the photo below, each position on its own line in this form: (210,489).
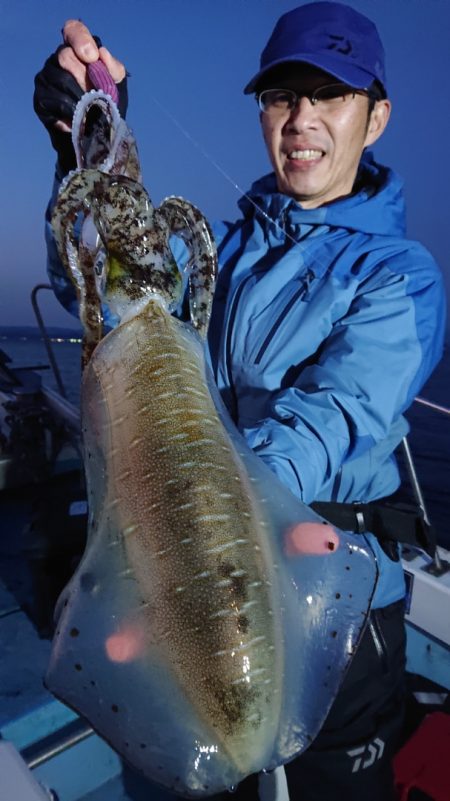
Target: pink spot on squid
(315,539)
(125,645)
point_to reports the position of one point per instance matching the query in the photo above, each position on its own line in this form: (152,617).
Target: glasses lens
(277,100)
(333,94)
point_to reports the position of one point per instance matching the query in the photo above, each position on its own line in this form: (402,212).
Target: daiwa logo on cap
(340,44)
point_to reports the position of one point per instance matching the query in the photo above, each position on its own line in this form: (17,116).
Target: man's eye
(330,93)
(281,99)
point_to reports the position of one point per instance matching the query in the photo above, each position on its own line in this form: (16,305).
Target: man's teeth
(305,155)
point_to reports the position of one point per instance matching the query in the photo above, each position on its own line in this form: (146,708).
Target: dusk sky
(190,59)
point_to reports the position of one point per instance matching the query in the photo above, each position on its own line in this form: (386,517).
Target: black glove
(56,94)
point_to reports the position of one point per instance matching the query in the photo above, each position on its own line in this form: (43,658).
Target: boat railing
(430,405)
(46,338)
(439,566)
(56,743)
(412,474)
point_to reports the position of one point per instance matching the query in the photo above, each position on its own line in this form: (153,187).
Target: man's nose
(303,114)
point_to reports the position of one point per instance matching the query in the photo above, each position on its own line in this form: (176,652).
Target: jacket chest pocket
(301,326)
(280,322)
(295,332)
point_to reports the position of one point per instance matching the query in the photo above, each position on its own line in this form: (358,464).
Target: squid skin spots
(315,539)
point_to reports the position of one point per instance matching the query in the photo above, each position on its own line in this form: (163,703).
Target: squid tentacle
(136,236)
(187,221)
(78,256)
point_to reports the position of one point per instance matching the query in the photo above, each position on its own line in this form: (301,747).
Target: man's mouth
(305,155)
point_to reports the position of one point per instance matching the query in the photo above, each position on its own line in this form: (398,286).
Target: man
(326,323)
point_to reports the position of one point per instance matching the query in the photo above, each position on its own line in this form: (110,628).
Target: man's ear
(377,122)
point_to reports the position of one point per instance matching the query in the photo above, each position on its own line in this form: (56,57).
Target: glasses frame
(351,90)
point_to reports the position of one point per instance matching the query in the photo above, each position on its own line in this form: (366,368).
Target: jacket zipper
(231,319)
(302,291)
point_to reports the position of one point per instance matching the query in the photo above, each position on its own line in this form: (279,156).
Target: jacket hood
(377,207)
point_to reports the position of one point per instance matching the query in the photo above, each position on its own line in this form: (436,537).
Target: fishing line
(218,167)
(205,153)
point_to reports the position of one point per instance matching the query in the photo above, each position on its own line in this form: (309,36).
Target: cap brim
(353,76)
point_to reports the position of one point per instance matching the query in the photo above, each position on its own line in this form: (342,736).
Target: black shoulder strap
(395,522)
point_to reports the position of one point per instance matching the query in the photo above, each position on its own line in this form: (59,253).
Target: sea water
(28,352)
(429,438)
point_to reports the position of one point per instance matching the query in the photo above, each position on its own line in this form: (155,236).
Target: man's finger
(115,68)
(68,61)
(80,39)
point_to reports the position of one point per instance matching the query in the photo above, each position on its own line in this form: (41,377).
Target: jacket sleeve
(374,361)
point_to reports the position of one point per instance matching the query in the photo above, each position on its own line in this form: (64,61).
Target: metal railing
(439,565)
(431,405)
(56,743)
(45,337)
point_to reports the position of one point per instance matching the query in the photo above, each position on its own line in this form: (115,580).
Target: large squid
(209,624)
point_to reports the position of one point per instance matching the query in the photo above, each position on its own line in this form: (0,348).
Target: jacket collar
(376,207)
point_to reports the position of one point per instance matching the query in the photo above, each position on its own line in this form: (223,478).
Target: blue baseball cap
(331,36)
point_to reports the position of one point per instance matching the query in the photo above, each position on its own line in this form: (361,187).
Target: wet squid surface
(211,619)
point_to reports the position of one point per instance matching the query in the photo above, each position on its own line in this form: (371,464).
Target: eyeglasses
(280,101)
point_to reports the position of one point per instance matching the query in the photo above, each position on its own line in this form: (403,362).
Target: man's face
(315,151)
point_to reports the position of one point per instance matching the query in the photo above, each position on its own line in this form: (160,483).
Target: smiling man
(326,323)
(321,90)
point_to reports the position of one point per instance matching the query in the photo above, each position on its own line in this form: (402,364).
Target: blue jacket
(319,345)
(326,323)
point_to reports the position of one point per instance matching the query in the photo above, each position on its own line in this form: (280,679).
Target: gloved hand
(57,91)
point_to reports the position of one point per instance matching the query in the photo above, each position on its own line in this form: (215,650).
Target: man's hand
(82,49)
(64,79)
